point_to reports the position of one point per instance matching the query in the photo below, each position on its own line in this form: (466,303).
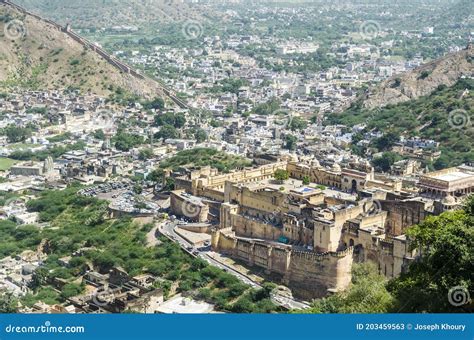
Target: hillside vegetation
(446,116)
(200,157)
(42,57)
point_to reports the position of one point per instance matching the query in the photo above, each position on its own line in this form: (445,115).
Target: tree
(16,134)
(281,175)
(71,289)
(145,154)
(156,175)
(99,134)
(169,184)
(179,121)
(298,124)
(156,104)
(385,162)
(290,142)
(444,267)
(39,278)
(125,141)
(167,132)
(8,303)
(366,294)
(200,135)
(387,141)
(176,120)
(306,180)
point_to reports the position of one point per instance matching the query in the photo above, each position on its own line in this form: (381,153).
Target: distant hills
(423,81)
(35,54)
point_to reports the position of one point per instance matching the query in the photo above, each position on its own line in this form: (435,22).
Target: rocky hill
(37,54)
(423,81)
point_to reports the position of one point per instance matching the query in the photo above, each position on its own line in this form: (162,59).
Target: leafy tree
(39,278)
(446,245)
(99,134)
(281,175)
(167,132)
(16,134)
(71,289)
(145,154)
(366,294)
(157,104)
(298,124)
(125,141)
(385,162)
(268,108)
(8,303)
(306,180)
(200,135)
(387,141)
(156,175)
(176,120)
(290,142)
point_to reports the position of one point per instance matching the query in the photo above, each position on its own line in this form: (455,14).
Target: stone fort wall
(311,275)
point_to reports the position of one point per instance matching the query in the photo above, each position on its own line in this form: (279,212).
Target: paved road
(168,229)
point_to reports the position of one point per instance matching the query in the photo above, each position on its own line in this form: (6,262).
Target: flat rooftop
(182,305)
(453,176)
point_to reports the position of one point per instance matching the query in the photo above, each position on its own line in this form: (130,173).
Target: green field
(6,163)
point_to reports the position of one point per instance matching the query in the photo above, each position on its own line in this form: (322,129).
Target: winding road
(168,230)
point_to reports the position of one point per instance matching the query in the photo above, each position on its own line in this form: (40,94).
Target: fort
(308,237)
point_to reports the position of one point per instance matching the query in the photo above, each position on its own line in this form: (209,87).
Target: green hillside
(446,116)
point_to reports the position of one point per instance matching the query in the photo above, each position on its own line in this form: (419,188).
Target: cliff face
(424,80)
(36,54)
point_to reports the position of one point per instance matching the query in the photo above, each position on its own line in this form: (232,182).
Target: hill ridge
(118,64)
(423,80)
